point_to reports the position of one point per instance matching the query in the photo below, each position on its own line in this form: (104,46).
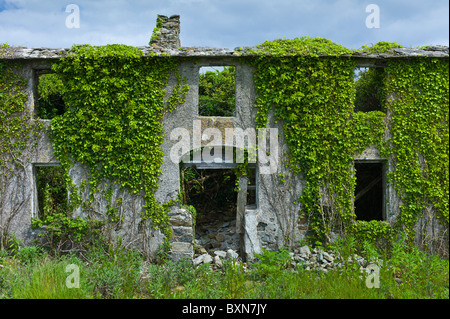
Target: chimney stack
(167,32)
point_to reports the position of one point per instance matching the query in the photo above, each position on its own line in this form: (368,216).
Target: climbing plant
(419,146)
(380,47)
(50,102)
(16,126)
(115,101)
(314,98)
(156,31)
(17,131)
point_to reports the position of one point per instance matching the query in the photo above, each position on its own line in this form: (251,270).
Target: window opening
(49,101)
(369,191)
(251,188)
(216,94)
(369,89)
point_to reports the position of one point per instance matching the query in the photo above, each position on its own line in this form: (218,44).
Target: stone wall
(167,32)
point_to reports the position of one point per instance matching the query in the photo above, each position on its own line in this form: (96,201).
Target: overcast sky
(224,23)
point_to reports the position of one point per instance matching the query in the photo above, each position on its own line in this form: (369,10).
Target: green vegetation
(112,123)
(217,92)
(303,46)
(50,102)
(52,196)
(380,47)
(419,146)
(314,101)
(369,95)
(314,47)
(17,133)
(108,271)
(156,33)
(15,121)
(320,107)
(61,230)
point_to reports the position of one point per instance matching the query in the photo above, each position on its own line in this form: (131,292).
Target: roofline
(57,53)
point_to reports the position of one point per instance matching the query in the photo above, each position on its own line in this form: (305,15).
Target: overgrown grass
(33,274)
(107,272)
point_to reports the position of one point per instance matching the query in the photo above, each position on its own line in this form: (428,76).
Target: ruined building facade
(267,222)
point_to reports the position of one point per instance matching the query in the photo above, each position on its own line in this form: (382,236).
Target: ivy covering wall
(115,101)
(419,143)
(17,133)
(314,98)
(16,126)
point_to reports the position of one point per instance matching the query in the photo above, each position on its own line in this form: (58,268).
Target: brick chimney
(167,32)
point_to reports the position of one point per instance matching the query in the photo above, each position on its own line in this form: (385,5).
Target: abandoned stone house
(263,220)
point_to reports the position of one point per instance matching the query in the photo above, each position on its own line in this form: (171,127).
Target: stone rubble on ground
(320,260)
(315,259)
(217,235)
(220,255)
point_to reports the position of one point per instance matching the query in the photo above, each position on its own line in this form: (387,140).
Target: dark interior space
(369,191)
(251,187)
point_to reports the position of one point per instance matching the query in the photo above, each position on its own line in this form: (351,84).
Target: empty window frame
(369,89)
(369,200)
(217,91)
(48,95)
(252,187)
(50,190)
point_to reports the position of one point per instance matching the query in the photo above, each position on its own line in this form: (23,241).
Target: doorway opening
(213,194)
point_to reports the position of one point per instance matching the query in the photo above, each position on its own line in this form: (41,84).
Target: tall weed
(272,261)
